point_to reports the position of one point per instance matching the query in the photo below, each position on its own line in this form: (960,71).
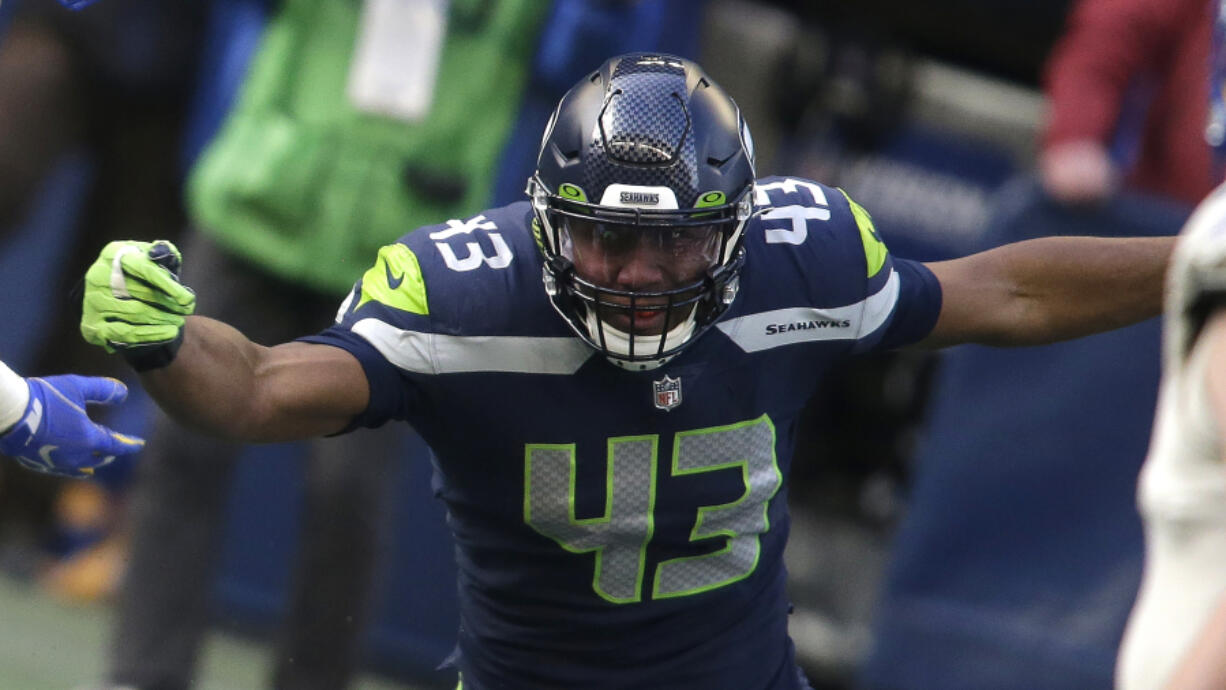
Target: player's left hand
(56,436)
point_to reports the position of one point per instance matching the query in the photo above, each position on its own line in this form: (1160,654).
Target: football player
(1177,628)
(1182,489)
(610,375)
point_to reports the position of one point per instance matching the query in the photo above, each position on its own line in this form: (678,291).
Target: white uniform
(1182,491)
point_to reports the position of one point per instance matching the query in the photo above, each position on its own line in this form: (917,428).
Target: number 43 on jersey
(620,535)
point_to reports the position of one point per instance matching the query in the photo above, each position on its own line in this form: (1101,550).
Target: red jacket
(1112,47)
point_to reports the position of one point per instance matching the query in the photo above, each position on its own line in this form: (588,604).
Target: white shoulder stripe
(771,329)
(432,353)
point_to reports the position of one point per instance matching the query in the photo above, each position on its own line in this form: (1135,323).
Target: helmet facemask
(640,284)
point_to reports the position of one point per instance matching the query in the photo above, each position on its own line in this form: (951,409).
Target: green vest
(303,184)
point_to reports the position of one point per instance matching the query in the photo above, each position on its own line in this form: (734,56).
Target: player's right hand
(134,302)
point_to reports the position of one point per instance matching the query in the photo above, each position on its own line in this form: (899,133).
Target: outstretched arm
(204,373)
(223,384)
(1049,289)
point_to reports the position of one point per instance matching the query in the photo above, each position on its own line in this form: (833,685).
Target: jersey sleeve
(918,305)
(902,297)
(390,296)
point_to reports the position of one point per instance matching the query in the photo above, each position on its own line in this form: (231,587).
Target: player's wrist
(144,358)
(14,397)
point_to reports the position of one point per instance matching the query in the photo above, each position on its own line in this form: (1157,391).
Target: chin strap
(618,342)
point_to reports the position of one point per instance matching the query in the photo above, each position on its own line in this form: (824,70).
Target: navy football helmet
(642,189)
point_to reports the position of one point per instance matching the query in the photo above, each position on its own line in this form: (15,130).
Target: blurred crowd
(242,129)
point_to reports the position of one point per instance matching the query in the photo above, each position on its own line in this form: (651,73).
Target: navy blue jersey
(619,529)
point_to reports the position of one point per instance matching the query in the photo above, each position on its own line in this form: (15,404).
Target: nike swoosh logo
(45,454)
(392,281)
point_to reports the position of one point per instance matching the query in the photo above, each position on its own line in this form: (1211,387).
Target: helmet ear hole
(647,141)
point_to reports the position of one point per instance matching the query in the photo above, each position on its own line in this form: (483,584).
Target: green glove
(135,304)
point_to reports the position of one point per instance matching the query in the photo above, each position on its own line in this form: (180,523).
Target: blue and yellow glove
(56,436)
(134,303)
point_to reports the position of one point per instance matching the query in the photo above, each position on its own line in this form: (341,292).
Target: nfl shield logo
(668,392)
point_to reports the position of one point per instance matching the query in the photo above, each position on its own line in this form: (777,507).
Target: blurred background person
(1127,86)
